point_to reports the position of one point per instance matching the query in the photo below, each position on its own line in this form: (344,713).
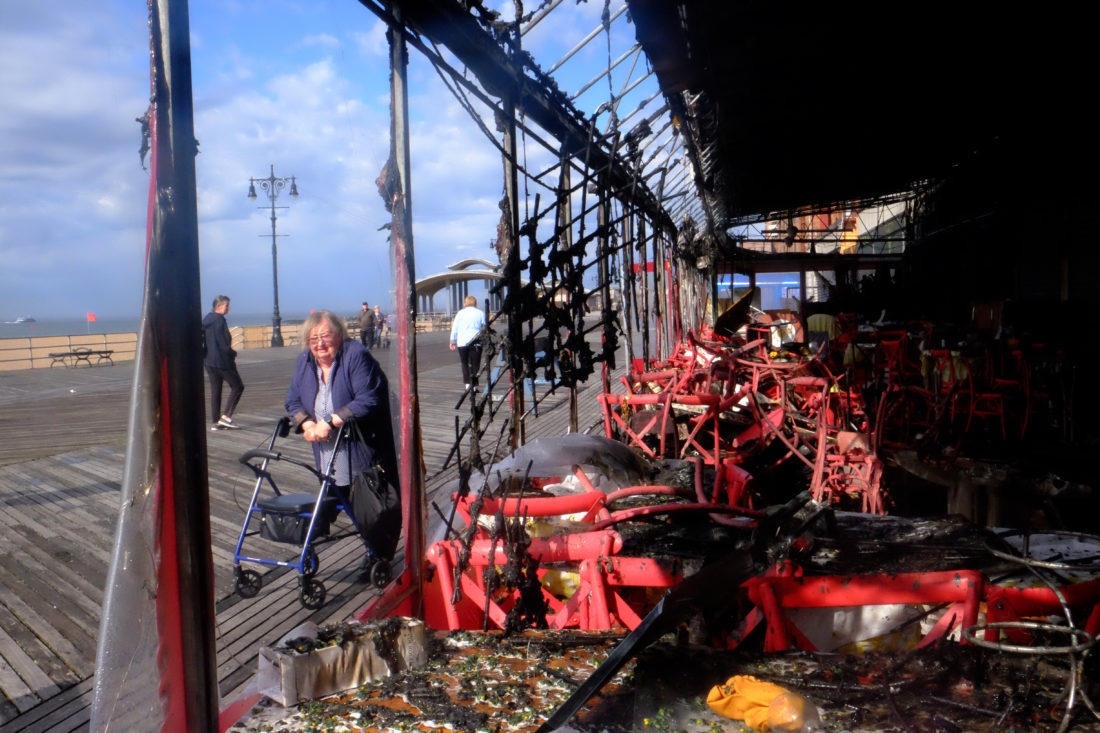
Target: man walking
(221,364)
(366,326)
(466,339)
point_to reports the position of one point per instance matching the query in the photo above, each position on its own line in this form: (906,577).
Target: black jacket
(217,344)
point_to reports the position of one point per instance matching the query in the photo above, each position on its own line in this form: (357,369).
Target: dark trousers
(469,356)
(236,389)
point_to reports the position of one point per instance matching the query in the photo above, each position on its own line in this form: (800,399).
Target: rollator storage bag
(285,518)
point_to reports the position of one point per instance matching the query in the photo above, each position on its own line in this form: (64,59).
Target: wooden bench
(81,355)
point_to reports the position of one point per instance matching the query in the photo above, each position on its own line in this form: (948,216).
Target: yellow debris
(764,706)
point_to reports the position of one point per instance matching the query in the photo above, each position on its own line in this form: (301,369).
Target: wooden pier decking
(62,456)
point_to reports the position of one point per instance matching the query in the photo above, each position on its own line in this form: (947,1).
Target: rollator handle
(260,453)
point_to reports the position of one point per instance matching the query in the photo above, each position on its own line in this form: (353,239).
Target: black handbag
(376,506)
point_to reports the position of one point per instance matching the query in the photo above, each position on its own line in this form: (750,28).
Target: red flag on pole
(91,317)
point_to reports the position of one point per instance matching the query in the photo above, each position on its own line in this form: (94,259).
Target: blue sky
(301,84)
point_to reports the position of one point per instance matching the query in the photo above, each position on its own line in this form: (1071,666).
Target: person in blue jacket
(336,380)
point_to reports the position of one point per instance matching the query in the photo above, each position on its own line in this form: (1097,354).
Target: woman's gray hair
(316,318)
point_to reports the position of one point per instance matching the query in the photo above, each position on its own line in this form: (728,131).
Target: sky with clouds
(299,84)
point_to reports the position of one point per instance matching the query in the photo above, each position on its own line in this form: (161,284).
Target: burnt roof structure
(977,110)
(807,106)
(972,119)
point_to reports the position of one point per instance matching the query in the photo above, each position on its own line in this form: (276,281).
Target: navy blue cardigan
(360,392)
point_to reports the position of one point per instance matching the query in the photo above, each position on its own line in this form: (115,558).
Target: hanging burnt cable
(452,79)
(465,471)
(523,168)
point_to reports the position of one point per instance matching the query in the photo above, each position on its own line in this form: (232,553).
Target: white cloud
(321,40)
(71,188)
(373,43)
(300,85)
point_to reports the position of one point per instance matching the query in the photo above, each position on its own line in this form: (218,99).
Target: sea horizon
(42,327)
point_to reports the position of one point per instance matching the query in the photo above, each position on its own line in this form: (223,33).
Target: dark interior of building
(847,104)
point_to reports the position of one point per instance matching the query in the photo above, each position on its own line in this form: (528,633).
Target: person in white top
(466,339)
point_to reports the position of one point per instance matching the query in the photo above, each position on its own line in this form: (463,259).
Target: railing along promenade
(33,352)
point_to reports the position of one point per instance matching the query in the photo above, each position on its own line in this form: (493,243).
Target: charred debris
(862,446)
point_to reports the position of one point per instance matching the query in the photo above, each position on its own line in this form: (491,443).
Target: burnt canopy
(808,105)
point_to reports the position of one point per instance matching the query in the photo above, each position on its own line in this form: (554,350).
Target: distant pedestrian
(220,361)
(379,325)
(366,326)
(466,330)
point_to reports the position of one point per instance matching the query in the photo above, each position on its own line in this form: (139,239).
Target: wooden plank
(45,525)
(59,495)
(278,598)
(51,567)
(65,502)
(67,711)
(25,679)
(63,642)
(18,505)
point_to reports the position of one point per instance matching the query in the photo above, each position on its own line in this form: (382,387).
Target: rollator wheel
(312,595)
(380,574)
(310,563)
(247,583)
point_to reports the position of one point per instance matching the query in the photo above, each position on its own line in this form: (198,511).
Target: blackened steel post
(604,247)
(659,293)
(643,304)
(626,284)
(404,596)
(565,243)
(674,312)
(512,266)
(405,289)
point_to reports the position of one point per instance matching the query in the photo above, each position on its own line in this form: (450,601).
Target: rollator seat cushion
(285,518)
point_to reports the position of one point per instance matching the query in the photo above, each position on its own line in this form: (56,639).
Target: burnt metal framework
(586,233)
(585,239)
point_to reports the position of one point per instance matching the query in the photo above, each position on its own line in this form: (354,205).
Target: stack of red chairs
(581,577)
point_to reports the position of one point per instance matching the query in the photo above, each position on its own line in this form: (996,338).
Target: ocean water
(76,326)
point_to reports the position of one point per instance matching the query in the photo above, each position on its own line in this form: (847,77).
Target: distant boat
(22,319)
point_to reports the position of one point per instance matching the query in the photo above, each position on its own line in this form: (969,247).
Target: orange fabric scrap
(762,705)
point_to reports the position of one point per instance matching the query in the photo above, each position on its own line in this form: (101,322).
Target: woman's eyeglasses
(321,338)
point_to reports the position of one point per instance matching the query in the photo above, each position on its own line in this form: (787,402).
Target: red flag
(91,317)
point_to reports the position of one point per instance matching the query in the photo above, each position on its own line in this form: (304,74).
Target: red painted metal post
(406,594)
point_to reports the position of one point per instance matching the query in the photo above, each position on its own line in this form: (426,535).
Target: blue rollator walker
(300,519)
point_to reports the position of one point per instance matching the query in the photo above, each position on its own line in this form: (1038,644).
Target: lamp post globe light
(273,186)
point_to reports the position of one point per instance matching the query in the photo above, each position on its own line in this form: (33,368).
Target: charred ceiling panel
(816,104)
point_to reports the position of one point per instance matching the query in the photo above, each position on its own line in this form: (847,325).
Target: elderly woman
(336,380)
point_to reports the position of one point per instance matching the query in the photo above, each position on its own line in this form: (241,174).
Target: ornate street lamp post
(272,186)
